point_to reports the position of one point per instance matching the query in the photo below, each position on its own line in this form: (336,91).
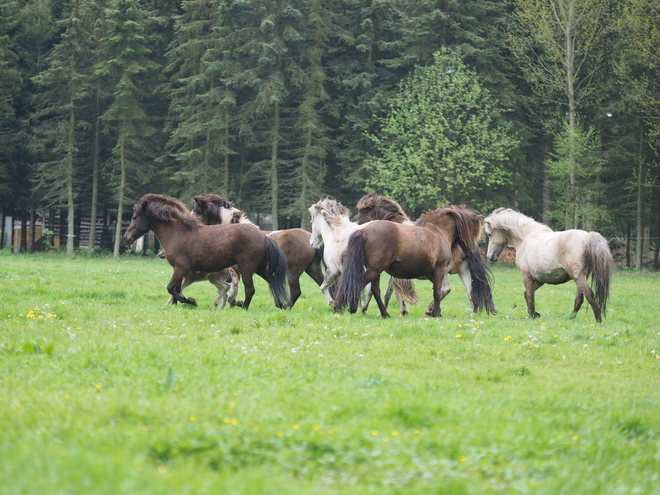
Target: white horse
(547,257)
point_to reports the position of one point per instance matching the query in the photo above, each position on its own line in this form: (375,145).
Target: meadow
(104,390)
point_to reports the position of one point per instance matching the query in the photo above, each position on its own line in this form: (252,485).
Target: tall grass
(103,389)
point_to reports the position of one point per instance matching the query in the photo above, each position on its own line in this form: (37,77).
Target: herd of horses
(215,241)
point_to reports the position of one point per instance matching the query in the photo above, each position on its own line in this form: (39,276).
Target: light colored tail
(598,263)
(405,290)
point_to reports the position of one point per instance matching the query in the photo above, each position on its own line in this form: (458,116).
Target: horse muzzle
(127,241)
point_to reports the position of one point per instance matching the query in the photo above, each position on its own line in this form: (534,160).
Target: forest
(550,107)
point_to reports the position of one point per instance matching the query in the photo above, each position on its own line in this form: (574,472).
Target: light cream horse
(547,257)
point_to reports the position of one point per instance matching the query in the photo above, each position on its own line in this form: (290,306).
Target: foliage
(108,391)
(577,153)
(443,140)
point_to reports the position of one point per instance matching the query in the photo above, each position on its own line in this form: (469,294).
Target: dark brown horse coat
(191,246)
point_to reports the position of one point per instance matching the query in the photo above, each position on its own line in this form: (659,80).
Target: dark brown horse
(421,250)
(193,246)
(294,243)
(374,207)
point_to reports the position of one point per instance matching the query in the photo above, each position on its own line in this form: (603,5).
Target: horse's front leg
(531,286)
(403,309)
(331,275)
(174,287)
(439,279)
(248,286)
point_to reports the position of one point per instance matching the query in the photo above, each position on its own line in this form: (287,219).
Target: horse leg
(466,278)
(403,309)
(294,289)
(174,287)
(439,279)
(375,291)
(248,286)
(444,290)
(579,299)
(235,281)
(330,276)
(219,280)
(583,288)
(531,286)
(367,299)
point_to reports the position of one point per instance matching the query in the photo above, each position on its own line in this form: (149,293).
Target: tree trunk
(69,182)
(640,201)
(95,172)
(274,186)
(122,187)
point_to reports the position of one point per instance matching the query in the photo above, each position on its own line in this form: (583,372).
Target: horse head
(323,215)
(213,209)
(372,207)
(156,208)
(499,227)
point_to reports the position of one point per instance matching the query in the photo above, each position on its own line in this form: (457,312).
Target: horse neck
(166,231)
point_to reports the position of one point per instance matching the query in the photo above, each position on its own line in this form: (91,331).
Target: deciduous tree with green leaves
(443,140)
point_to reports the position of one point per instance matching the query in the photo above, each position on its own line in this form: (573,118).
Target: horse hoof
(191,301)
(535,315)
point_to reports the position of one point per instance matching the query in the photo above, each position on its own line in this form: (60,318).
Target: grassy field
(103,389)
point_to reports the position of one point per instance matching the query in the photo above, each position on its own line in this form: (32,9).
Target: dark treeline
(277,103)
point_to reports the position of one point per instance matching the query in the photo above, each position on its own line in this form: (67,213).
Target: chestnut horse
(373,207)
(421,250)
(192,246)
(294,243)
(547,257)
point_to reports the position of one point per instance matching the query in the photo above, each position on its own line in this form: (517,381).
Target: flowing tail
(468,231)
(273,269)
(481,294)
(352,279)
(405,290)
(598,263)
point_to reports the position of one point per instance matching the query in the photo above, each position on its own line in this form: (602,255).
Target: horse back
(217,247)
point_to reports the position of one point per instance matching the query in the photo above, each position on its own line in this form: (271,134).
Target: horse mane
(166,209)
(467,221)
(381,208)
(511,221)
(331,209)
(216,209)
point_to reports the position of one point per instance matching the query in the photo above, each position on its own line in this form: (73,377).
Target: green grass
(116,393)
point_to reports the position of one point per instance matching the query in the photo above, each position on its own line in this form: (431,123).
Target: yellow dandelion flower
(574,437)
(394,433)
(417,432)
(98,385)
(508,337)
(41,317)
(316,428)
(67,396)
(374,432)
(280,434)
(49,315)
(193,418)
(458,335)
(162,469)
(386,439)
(234,422)
(227,420)
(296,426)
(462,458)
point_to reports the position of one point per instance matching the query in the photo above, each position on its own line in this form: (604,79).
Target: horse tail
(598,263)
(273,269)
(468,231)
(352,279)
(405,290)
(481,293)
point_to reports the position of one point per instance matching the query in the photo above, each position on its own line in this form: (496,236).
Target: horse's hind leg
(375,291)
(367,299)
(579,299)
(248,285)
(531,286)
(444,290)
(583,288)
(403,309)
